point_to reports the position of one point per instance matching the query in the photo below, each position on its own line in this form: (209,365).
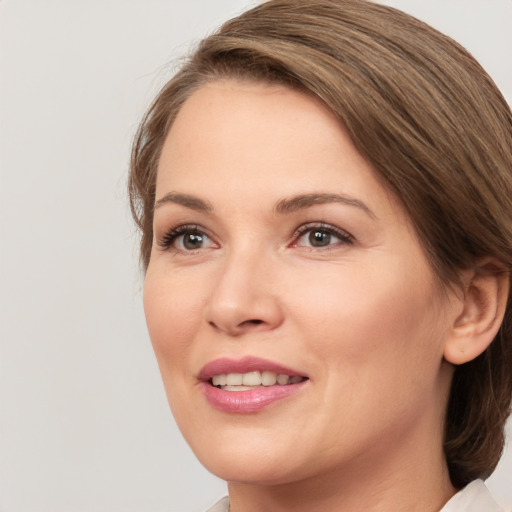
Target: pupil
(192,241)
(319,238)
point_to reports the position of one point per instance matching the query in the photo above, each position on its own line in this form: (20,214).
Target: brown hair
(429,119)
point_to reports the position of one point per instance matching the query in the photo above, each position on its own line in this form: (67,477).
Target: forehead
(248,114)
(246,132)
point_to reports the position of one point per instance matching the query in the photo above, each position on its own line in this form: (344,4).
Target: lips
(249,384)
(244,365)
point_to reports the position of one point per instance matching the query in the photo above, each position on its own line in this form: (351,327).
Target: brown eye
(318,238)
(186,239)
(322,237)
(193,241)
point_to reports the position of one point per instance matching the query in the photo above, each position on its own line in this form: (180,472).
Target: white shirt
(475,497)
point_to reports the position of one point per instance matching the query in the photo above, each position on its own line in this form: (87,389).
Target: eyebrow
(287,205)
(304,201)
(192,202)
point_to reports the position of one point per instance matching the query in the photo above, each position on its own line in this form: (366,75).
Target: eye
(186,239)
(321,235)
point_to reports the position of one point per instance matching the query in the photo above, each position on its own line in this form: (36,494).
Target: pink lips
(248,401)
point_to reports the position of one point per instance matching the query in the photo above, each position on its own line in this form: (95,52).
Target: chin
(241,459)
(256,471)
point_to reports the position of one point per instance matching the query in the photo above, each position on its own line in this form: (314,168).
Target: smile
(251,380)
(248,385)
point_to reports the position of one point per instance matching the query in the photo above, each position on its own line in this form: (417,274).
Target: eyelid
(166,241)
(343,235)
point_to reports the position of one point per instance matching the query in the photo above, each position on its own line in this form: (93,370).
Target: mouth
(248,385)
(252,380)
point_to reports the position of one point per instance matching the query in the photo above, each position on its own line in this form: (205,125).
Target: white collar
(475,497)
(220,506)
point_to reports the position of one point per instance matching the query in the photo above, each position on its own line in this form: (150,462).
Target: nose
(245,297)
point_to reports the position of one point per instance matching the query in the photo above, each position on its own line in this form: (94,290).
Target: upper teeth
(264,378)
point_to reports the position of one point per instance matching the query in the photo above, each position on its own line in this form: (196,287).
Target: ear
(483,304)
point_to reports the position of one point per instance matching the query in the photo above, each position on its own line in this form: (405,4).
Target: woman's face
(278,252)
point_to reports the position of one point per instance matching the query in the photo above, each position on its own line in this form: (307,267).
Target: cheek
(366,317)
(172,317)
(376,340)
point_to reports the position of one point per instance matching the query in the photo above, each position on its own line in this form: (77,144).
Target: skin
(363,318)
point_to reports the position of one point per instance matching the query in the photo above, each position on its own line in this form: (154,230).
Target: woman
(324,192)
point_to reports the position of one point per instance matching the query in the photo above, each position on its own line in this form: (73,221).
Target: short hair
(430,121)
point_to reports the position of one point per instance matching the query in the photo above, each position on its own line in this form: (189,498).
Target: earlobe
(484,300)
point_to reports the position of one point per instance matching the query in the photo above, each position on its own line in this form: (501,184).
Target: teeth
(283,379)
(268,378)
(251,379)
(237,388)
(234,379)
(219,380)
(245,381)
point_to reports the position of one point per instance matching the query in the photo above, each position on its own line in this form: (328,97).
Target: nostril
(254,321)
(250,323)
(238,329)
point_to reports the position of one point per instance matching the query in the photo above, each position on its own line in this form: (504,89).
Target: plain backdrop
(84,423)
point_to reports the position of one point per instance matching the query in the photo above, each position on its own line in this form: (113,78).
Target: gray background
(84,423)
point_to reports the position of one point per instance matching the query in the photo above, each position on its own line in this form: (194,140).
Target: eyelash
(169,238)
(344,237)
